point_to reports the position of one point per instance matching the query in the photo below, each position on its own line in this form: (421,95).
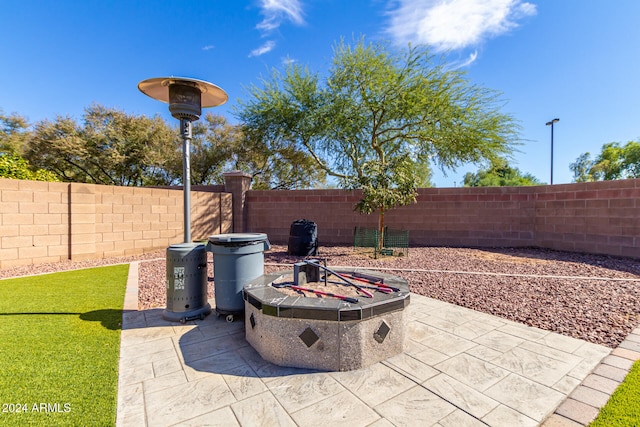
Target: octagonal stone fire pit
(306,331)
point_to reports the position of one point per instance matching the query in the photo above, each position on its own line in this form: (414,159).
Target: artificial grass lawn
(59,347)
(623,408)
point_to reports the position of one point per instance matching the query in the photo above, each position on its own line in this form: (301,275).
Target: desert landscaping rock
(591,297)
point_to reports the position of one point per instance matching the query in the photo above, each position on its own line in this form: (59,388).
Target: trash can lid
(237,237)
(188,245)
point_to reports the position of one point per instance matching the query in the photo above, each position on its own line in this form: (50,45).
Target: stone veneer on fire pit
(325,333)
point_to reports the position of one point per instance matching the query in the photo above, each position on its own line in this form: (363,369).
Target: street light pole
(550,123)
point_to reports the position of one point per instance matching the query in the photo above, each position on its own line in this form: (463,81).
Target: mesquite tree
(377,105)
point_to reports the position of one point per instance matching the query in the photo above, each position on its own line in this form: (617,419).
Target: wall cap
(236,173)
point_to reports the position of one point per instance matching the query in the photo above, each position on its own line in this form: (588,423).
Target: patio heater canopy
(186,97)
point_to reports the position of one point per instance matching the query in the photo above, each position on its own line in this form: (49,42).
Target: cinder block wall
(49,222)
(500,216)
(596,217)
(34,222)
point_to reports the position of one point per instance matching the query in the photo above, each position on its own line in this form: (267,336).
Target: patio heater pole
(185,131)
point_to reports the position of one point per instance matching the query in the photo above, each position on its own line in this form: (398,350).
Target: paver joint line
(434,392)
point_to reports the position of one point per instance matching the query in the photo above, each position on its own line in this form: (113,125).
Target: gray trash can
(186,282)
(237,258)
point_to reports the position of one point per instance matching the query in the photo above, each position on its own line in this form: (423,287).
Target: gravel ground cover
(591,297)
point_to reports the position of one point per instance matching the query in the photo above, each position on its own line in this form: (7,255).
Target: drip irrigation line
(480,273)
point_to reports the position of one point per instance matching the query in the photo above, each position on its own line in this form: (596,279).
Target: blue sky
(577,60)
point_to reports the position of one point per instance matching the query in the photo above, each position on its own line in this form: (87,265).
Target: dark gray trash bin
(237,258)
(186,282)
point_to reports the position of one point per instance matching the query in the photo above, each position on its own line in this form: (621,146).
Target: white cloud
(277,11)
(267,47)
(455,24)
(287,60)
(208,47)
(472,57)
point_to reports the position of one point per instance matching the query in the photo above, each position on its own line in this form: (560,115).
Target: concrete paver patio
(460,368)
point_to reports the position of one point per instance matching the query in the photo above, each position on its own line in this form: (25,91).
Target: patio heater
(186,262)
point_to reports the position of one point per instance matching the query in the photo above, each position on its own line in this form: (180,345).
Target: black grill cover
(303,238)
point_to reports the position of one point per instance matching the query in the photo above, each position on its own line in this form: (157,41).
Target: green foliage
(386,186)
(581,168)
(15,167)
(376,105)
(61,345)
(270,121)
(623,408)
(275,164)
(211,149)
(110,147)
(615,161)
(13,133)
(500,174)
